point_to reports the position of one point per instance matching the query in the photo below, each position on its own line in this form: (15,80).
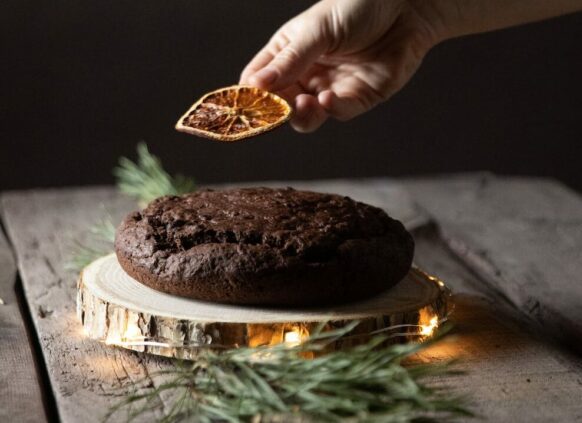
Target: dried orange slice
(234,113)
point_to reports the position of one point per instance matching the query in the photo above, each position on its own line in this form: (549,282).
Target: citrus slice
(234,113)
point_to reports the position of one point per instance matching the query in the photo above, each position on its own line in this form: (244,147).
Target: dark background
(81,82)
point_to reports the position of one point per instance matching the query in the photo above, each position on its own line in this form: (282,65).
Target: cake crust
(263,246)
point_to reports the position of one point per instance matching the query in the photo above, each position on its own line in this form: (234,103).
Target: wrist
(442,18)
(455,18)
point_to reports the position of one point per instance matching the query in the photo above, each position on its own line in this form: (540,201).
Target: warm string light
(139,343)
(132,336)
(428,330)
(428,324)
(289,334)
(292,338)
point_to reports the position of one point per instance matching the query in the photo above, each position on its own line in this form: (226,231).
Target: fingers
(261,59)
(289,53)
(288,65)
(309,114)
(275,70)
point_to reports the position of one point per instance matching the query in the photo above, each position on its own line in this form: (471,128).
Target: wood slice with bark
(116,309)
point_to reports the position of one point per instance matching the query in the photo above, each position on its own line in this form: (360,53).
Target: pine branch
(97,243)
(365,383)
(146,179)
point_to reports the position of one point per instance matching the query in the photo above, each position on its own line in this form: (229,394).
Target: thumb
(296,55)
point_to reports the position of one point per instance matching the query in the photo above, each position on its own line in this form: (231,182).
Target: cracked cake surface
(264,246)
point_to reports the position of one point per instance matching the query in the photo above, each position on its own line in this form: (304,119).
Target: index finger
(261,59)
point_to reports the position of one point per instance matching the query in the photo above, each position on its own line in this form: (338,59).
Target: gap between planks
(20,393)
(87,377)
(84,372)
(522,236)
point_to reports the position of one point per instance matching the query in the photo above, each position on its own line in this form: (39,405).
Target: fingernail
(264,77)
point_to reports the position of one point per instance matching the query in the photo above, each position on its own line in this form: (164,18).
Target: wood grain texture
(20,395)
(522,236)
(116,309)
(512,375)
(42,225)
(107,280)
(86,377)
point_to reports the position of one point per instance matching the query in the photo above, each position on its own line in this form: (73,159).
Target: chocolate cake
(263,246)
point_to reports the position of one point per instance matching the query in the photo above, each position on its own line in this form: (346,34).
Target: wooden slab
(107,280)
(116,309)
(510,375)
(522,236)
(83,372)
(20,396)
(42,225)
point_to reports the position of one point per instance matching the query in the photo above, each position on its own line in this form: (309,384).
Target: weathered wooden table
(510,248)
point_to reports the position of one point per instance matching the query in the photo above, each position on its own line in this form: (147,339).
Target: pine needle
(98,242)
(366,383)
(146,179)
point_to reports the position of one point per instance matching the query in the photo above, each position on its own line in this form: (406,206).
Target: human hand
(340,58)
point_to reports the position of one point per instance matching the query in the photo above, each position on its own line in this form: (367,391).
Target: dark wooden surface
(522,236)
(502,244)
(20,395)
(512,375)
(84,375)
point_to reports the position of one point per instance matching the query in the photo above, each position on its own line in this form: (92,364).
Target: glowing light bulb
(132,332)
(292,338)
(428,330)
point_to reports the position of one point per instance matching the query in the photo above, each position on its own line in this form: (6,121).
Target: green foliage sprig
(98,242)
(278,384)
(146,179)
(366,383)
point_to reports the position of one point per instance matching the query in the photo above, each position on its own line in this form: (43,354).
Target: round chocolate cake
(264,246)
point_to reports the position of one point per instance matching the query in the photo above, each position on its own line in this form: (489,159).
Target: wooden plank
(110,303)
(522,236)
(511,374)
(499,356)
(20,395)
(42,226)
(86,377)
